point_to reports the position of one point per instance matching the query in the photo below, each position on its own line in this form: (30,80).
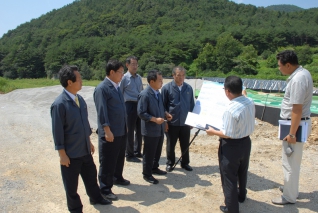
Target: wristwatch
(292,136)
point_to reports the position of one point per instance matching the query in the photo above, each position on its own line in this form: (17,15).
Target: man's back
(239,118)
(299,90)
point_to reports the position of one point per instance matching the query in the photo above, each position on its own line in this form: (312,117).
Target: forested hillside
(208,37)
(284,8)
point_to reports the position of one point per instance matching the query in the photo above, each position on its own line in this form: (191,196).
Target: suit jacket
(111,111)
(177,103)
(149,106)
(70,126)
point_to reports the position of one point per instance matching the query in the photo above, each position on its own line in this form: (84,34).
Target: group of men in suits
(123,107)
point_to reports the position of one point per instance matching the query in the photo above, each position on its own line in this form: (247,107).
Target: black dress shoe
(138,155)
(122,182)
(133,159)
(169,168)
(240,199)
(110,196)
(150,179)
(187,167)
(101,202)
(224,209)
(158,172)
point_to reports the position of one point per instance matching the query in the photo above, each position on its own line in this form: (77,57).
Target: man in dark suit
(71,131)
(112,129)
(178,100)
(151,111)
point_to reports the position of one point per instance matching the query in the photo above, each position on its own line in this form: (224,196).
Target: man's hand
(290,139)
(210,131)
(157,120)
(92,149)
(64,159)
(168,116)
(166,127)
(108,134)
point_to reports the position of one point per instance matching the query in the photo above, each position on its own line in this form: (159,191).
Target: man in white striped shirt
(235,144)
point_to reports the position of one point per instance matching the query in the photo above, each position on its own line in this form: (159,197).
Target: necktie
(118,90)
(158,95)
(76,101)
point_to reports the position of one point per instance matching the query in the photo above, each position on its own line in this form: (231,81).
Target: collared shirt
(156,92)
(70,94)
(131,86)
(239,118)
(113,83)
(180,87)
(298,91)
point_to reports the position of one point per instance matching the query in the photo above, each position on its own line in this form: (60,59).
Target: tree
(86,72)
(226,49)
(247,61)
(206,60)
(304,54)
(271,61)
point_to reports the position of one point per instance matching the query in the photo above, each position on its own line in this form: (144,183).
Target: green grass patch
(92,83)
(8,85)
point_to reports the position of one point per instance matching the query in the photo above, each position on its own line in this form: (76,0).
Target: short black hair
(152,75)
(113,64)
(128,60)
(67,73)
(287,56)
(234,84)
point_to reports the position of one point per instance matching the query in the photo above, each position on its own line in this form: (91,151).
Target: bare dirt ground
(30,179)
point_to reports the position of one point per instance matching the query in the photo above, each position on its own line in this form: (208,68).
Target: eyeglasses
(121,72)
(135,65)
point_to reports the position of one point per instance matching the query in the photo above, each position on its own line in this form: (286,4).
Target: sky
(16,12)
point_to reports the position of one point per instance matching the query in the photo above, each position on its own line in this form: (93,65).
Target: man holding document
(295,108)
(235,143)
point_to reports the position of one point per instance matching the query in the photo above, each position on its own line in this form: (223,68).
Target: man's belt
(303,119)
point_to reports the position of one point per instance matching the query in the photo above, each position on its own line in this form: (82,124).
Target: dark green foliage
(86,72)
(208,37)
(271,61)
(247,61)
(304,54)
(284,8)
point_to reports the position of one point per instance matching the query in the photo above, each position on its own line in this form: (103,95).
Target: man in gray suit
(151,111)
(112,129)
(131,86)
(71,131)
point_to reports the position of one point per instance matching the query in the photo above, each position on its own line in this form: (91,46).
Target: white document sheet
(209,106)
